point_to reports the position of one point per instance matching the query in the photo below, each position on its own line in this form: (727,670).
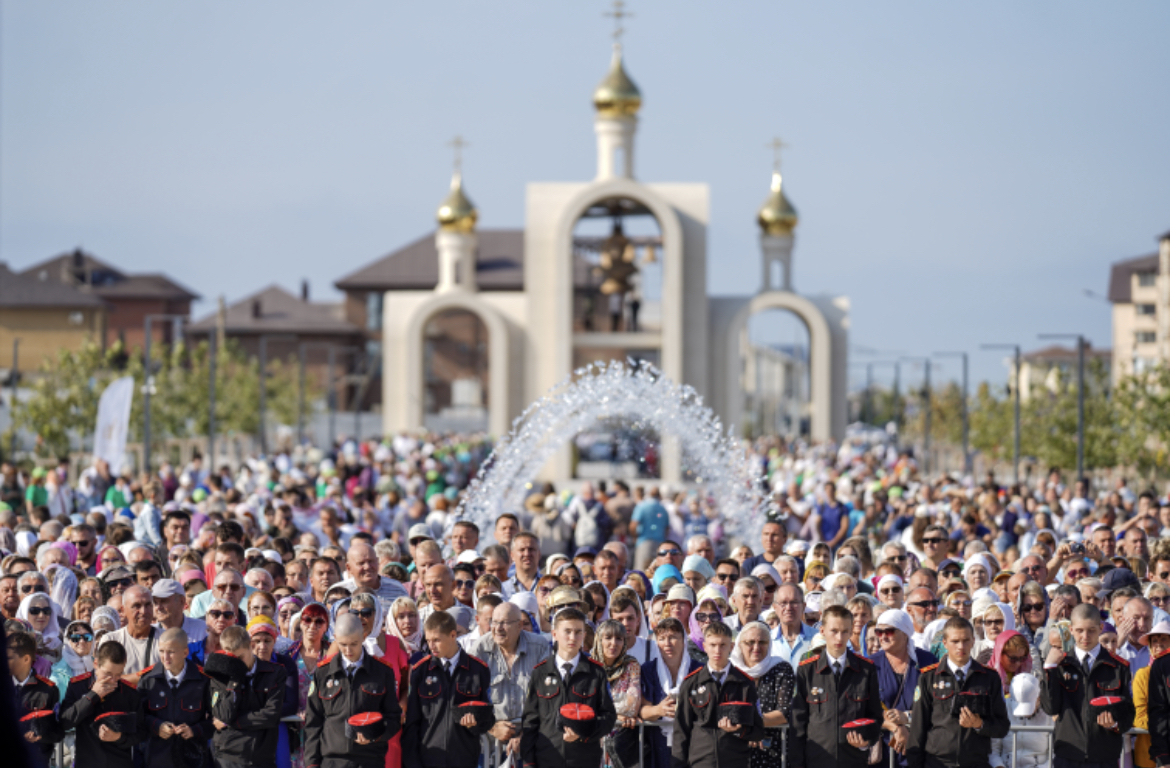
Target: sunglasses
(28,588)
(892,591)
(884,632)
(470,584)
(993,623)
(898,558)
(230,587)
(669,552)
(1016,659)
(1079,574)
(83,543)
(724,576)
(541,591)
(952,574)
(1033,607)
(313,622)
(963,603)
(222,614)
(40,611)
(364,613)
(933,541)
(83,638)
(926,604)
(703,618)
(119,583)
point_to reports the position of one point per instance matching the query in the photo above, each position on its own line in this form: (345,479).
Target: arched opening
(456,390)
(775,375)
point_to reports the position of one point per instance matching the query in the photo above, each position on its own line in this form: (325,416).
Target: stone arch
(820,357)
(499,357)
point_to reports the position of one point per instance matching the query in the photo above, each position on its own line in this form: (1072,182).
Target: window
(374,311)
(76,318)
(1146,279)
(1146,337)
(1146,309)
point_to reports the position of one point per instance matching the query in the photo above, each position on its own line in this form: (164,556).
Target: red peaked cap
(578,712)
(1104,701)
(35,715)
(365,718)
(859,723)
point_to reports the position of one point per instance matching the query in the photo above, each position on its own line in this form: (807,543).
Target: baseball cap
(420,531)
(116,572)
(1119,578)
(585,552)
(1026,691)
(164,588)
(469,556)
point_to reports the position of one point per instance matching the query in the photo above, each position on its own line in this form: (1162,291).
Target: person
(169,599)
(175,696)
(97,693)
(252,707)
(262,634)
(33,692)
(349,683)
(1158,641)
(76,655)
(792,638)
(922,605)
(939,736)
(834,686)
(1013,661)
(898,665)
(511,654)
(661,678)
(775,684)
(610,644)
(544,743)
(747,597)
(404,625)
(525,551)
(439,583)
(1084,733)
(361,563)
(773,537)
(648,526)
(221,615)
(832,516)
(704,734)
(625,607)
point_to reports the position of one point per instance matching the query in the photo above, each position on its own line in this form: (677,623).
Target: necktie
(837,671)
(1087,663)
(959,677)
(174,684)
(568,667)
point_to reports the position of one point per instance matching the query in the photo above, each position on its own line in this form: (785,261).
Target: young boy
(33,692)
(174,693)
(246,713)
(545,744)
(97,693)
(946,732)
(834,687)
(703,735)
(439,731)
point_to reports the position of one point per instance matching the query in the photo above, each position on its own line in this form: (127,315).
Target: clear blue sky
(963,171)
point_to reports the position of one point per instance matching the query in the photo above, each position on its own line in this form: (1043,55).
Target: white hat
(1161,628)
(898,619)
(1026,691)
(471,556)
(890,578)
(812,602)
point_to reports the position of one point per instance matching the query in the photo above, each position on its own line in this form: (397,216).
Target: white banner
(113,422)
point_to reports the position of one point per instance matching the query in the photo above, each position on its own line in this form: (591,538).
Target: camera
(1076,548)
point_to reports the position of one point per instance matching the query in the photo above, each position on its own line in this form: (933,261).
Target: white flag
(113,422)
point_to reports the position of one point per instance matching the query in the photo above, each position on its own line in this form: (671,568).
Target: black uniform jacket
(189,705)
(82,705)
(542,742)
(698,739)
(334,698)
(821,705)
(1065,693)
(936,738)
(1159,701)
(432,735)
(251,709)
(40,694)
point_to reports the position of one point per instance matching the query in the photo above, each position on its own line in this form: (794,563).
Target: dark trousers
(1060,762)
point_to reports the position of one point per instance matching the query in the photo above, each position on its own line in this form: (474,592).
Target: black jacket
(82,705)
(1159,712)
(189,705)
(542,742)
(432,736)
(698,739)
(936,738)
(40,694)
(821,705)
(251,708)
(1065,693)
(334,698)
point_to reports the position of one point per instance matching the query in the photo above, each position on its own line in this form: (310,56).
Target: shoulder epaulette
(481,662)
(542,662)
(133,686)
(1116,658)
(145,671)
(326,660)
(46,680)
(697,671)
(809,660)
(745,674)
(931,668)
(79,678)
(595,661)
(420,662)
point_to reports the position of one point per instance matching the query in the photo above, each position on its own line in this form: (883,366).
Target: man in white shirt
(139,637)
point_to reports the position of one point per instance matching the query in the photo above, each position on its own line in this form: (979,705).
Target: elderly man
(922,605)
(228,555)
(773,537)
(1137,617)
(139,637)
(1034,567)
(9,597)
(787,568)
(1136,543)
(700,544)
(607,569)
(169,600)
(923,577)
(1015,583)
(439,583)
(792,638)
(511,654)
(361,566)
(748,599)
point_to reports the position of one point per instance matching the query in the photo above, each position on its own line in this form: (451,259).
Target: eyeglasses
(933,540)
(230,587)
(789,604)
(703,618)
(40,611)
(1080,574)
(925,604)
(757,643)
(222,614)
(470,584)
(1165,575)
(1033,607)
(313,622)
(503,624)
(1160,601)
(963,603)
(540,591)
(669,552)
(119,583)
(884,631)
(364,613)
(1015,659)
(892,591)
(82,638)
(29,588)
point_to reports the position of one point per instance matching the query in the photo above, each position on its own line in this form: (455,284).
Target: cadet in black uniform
(351,682)
(33,692)
(567,677)
(246,713)
(834,687)
(1085,734)
(1159,711)
(958,707)
(97,693)
(175,697)
(439,732)
(703,735)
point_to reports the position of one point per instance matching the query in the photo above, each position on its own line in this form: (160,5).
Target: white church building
(475,325)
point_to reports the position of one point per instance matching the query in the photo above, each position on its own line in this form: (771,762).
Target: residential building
(1139,290)
(1046,368)
(46,317)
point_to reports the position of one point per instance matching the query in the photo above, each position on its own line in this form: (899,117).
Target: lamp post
(148,384)
(966,424)
(13,376)
(264,339)
(1016,387)
(926,396)
(1080,395)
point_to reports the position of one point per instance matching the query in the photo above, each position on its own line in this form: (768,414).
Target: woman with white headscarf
(63,589)
(775,683)
(39,610)
(403,623)
(104,619)
(76,655)
(24,543)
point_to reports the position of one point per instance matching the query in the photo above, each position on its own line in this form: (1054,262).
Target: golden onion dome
(616,95)
(456,213)
(777,216)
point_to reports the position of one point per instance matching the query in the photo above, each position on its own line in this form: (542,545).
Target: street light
(1080,395)
(926,394)
(13,376)
(966,452)
(1016,387)
(148,384)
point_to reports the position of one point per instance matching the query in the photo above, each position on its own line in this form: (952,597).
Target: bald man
(175,692)
(361,568)
(439,584)
(351,682)
(139,636)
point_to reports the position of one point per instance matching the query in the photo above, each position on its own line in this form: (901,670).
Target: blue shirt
(831,519)
(793,653)
(652,520)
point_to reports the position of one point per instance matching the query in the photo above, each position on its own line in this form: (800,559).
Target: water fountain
(641,395)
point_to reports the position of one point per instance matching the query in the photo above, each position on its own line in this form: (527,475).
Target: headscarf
(716,592)
(64,591)
(997,655)
(737,658)
(102,564)
(613,670)
(107,613)
(605,613)
(24,542)
(68,548)
(662,573)
(526,602)
(413,643)
(316,608)
(699,565)
(78,664)
(695,629)
(647,587)
(51,637)
(979,558)
(296,600)
(262,623)
(643,629)
(371,641)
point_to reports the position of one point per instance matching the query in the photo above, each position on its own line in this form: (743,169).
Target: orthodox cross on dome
(458,145)
(776,145)
(618,13)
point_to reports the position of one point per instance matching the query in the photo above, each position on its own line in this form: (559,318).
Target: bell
(650,254)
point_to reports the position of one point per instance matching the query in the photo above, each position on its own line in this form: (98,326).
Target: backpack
(589,531)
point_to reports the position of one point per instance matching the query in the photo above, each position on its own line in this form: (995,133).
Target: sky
(964,172)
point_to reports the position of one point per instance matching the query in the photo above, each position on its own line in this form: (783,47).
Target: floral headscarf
(695,627)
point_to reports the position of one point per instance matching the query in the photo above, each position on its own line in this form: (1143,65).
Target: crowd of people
(331,609)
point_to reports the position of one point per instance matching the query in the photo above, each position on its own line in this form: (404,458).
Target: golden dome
(616,95)
(456,213)
(777,216)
